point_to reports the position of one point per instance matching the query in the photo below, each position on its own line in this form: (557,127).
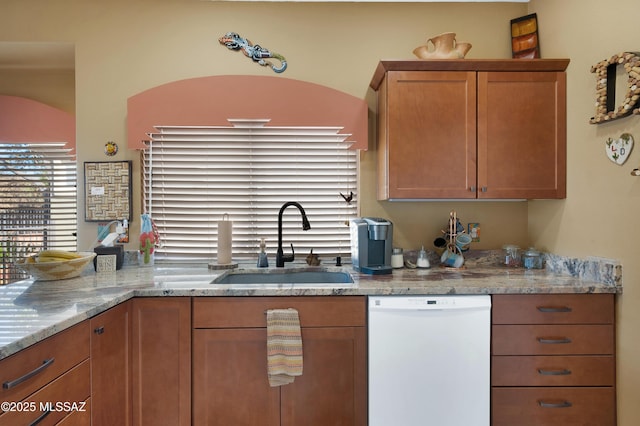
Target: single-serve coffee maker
(371,240)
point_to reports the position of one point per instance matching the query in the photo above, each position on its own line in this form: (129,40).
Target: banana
(56,256)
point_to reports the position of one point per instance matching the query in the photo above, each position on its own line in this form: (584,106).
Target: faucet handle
(289,257)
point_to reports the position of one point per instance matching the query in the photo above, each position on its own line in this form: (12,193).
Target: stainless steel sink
(284,276)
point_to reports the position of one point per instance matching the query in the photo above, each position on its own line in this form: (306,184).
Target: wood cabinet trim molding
(386,65)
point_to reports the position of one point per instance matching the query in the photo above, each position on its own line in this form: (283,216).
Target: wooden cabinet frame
(467,129)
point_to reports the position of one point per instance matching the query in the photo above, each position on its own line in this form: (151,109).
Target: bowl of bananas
(48,265)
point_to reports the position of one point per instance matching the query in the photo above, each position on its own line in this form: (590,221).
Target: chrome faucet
(280,256)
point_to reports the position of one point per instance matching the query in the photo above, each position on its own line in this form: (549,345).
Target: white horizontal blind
(194,175)
(37,202)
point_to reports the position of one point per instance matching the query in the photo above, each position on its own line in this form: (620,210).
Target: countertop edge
(43,309)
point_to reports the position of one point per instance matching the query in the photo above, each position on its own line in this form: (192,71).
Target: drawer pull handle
(554,309)
(563,372)
(99,330)
(16,382)
(40,418)
(554,340)
(561,404)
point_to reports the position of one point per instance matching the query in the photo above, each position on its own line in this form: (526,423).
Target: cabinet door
(521,135)
(230,384)
(332,388)
(111,367)
(427,135)
(161,361)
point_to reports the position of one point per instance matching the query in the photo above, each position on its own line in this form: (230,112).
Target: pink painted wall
(213,100)
(26,120)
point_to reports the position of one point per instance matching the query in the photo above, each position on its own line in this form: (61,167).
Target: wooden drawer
(316,311)
(73,387)
(45,360)
(553,370)
(553,406)
(78,418)
(553,309)
(552,339)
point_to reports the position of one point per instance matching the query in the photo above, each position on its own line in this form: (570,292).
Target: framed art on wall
(107,191)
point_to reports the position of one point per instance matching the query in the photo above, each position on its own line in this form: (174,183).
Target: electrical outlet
(123,230)
(474,232)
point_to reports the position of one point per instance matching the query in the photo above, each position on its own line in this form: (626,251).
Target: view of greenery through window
(37,202)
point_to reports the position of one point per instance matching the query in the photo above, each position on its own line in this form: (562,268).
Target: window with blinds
(37,202)
(193,176)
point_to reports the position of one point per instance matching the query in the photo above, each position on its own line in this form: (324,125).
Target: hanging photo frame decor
(107,191)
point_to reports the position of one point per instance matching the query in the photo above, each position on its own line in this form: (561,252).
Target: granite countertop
(34,310)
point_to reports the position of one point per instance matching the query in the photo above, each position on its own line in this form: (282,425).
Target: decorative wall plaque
(107,191)
(605,72)
(524,37)
(618,150)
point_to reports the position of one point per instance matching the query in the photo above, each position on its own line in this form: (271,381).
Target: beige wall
(55,88)
(599,216)
(126,46)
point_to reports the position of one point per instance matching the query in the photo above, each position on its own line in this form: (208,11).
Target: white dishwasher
(429,360)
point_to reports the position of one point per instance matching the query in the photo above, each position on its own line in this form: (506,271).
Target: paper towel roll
(225,231)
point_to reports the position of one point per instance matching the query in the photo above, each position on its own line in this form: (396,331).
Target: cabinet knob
(484,189)
(472,189)
(99,330)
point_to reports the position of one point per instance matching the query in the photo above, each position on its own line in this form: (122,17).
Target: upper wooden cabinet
(488,129)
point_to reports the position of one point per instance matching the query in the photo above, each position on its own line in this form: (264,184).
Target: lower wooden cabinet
(553,360)
(580,406)
(553,363)
(332,389)
(161,361)
(230,384)
(41,377)
(58,399)
(111,366)
(78,418)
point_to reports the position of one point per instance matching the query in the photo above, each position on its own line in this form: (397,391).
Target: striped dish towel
(284,346)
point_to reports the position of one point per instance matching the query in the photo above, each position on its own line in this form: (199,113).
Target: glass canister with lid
(511,255)
(532,259)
